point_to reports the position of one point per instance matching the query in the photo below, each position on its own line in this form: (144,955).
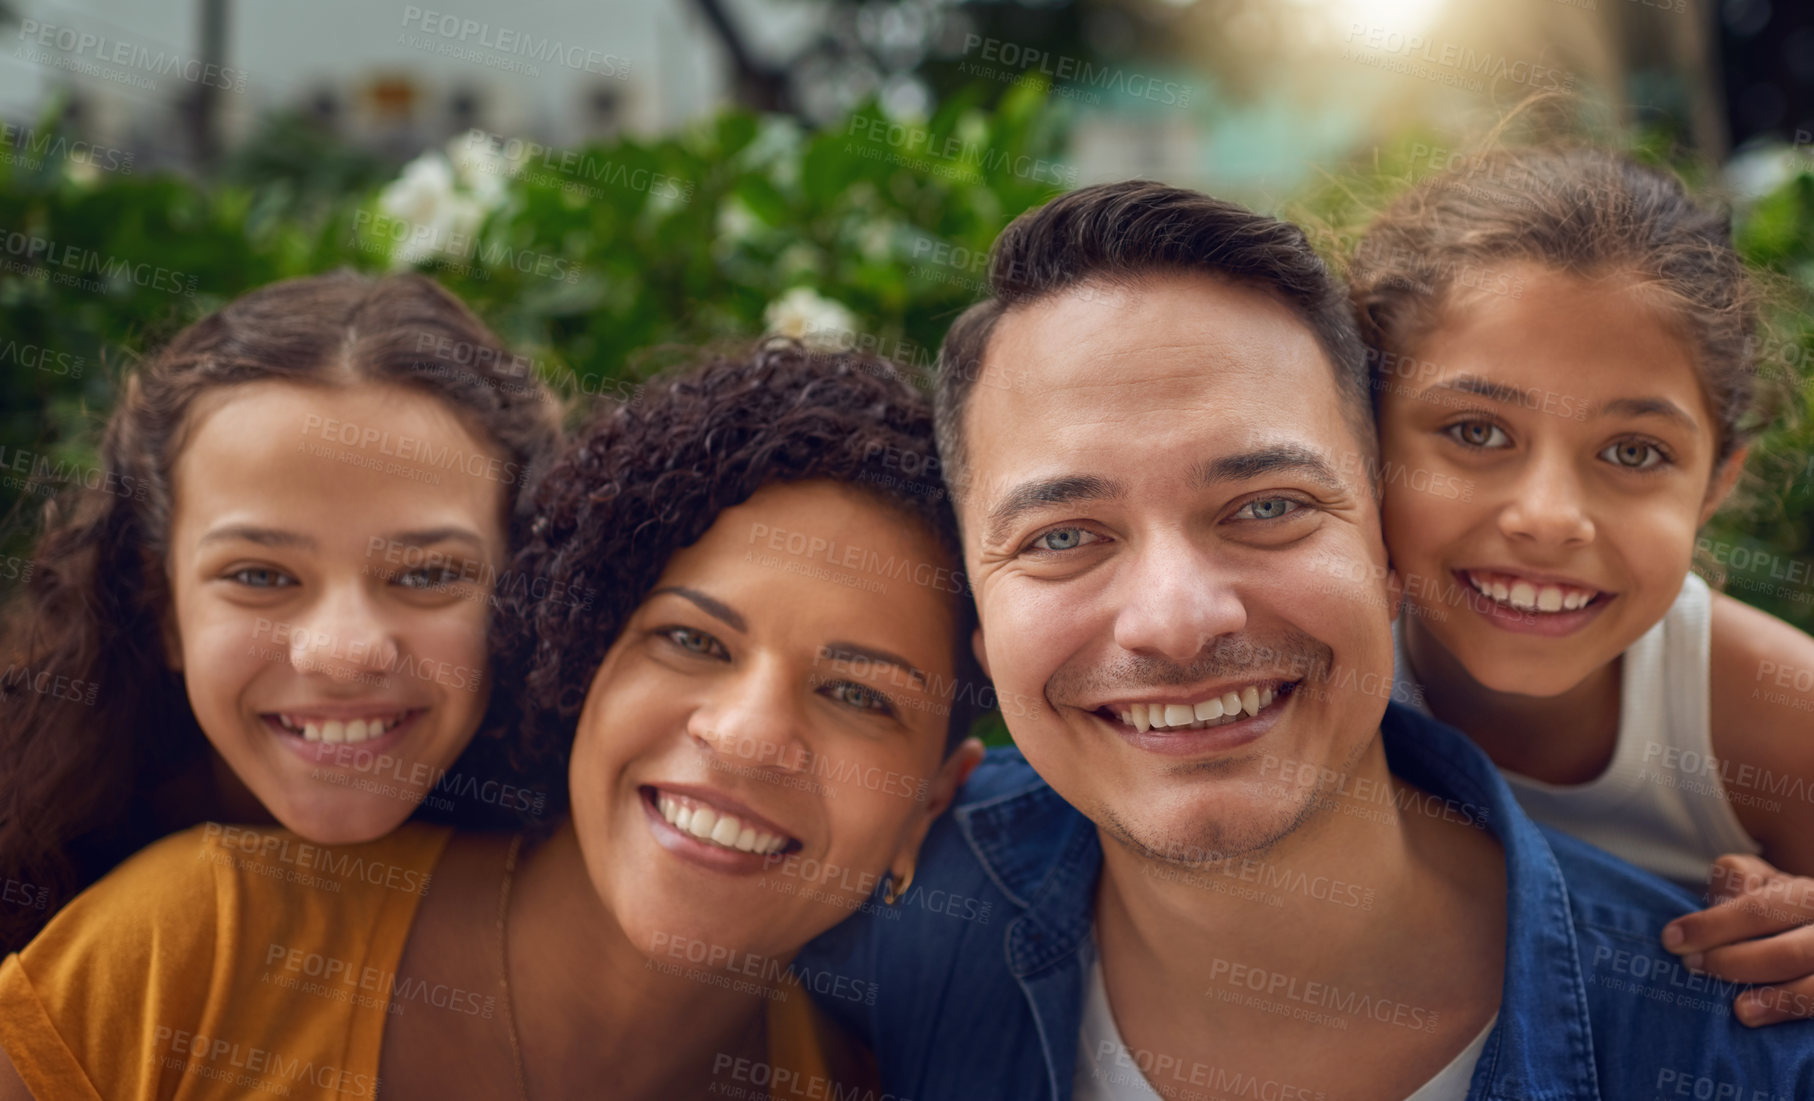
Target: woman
(759,723)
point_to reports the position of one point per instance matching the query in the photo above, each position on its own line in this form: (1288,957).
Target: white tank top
(1661,804)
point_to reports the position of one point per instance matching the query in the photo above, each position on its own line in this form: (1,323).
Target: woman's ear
(1719,487)
(940,792)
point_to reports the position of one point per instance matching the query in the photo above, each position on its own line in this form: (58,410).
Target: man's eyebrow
(1275,459)
(845,651)
(708,605)
(1041,493)
(252,533)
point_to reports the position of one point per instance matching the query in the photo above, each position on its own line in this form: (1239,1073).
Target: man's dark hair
(1120,232)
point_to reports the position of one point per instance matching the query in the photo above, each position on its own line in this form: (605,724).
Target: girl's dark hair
(1583,210)
(113,757)
(649,477)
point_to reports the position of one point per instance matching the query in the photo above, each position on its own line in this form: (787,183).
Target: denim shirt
(978,974)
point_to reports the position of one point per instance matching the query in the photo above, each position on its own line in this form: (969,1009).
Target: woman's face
(763,742)
(1547,461)
(332,552)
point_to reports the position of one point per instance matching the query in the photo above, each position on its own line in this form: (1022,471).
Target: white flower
(482,169)
(807,316)
(1760,170)
(736,222)
(441,220)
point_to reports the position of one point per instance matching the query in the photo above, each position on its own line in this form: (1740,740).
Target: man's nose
(1175,601)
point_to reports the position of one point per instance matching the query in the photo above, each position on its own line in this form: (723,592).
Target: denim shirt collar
(1046,857)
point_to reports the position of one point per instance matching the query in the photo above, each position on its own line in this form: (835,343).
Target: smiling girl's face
(763,741)
(330,591)
(1547,462)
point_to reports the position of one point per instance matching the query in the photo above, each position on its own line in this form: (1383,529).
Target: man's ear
(981,651)
(1719,487)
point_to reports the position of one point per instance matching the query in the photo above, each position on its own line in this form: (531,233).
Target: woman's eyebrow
(845,651)
(714,608)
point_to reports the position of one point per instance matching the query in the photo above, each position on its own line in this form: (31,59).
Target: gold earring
(892,892)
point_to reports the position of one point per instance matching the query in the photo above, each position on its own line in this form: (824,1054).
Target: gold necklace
(516,1043)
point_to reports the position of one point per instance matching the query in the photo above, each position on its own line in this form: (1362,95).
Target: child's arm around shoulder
(1762,696)
(1759,928)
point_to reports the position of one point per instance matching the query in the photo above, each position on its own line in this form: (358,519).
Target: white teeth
(337,732)
(703,820)
(1528,596)
(727,831)
(724,830)
(1177,716)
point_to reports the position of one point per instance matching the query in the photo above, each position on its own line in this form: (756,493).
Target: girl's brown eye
(1633,455)
(257,577)
(1477,434)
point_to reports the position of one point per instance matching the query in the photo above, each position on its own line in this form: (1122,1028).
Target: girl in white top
(1561,355)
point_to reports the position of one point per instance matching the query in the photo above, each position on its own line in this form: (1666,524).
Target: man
(1225,866)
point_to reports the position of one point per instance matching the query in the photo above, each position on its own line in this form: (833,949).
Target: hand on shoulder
(1762,699)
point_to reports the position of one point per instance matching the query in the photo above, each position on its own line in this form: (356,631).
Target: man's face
(1166,516)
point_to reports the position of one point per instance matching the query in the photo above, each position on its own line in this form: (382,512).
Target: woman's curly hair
(649,477)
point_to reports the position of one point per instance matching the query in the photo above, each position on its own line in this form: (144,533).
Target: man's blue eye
(1268,508)
(1063,539)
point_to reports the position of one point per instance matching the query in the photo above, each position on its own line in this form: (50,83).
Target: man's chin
(1237,832)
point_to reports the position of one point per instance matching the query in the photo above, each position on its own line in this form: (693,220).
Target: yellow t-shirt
(233,962)
(220,962)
